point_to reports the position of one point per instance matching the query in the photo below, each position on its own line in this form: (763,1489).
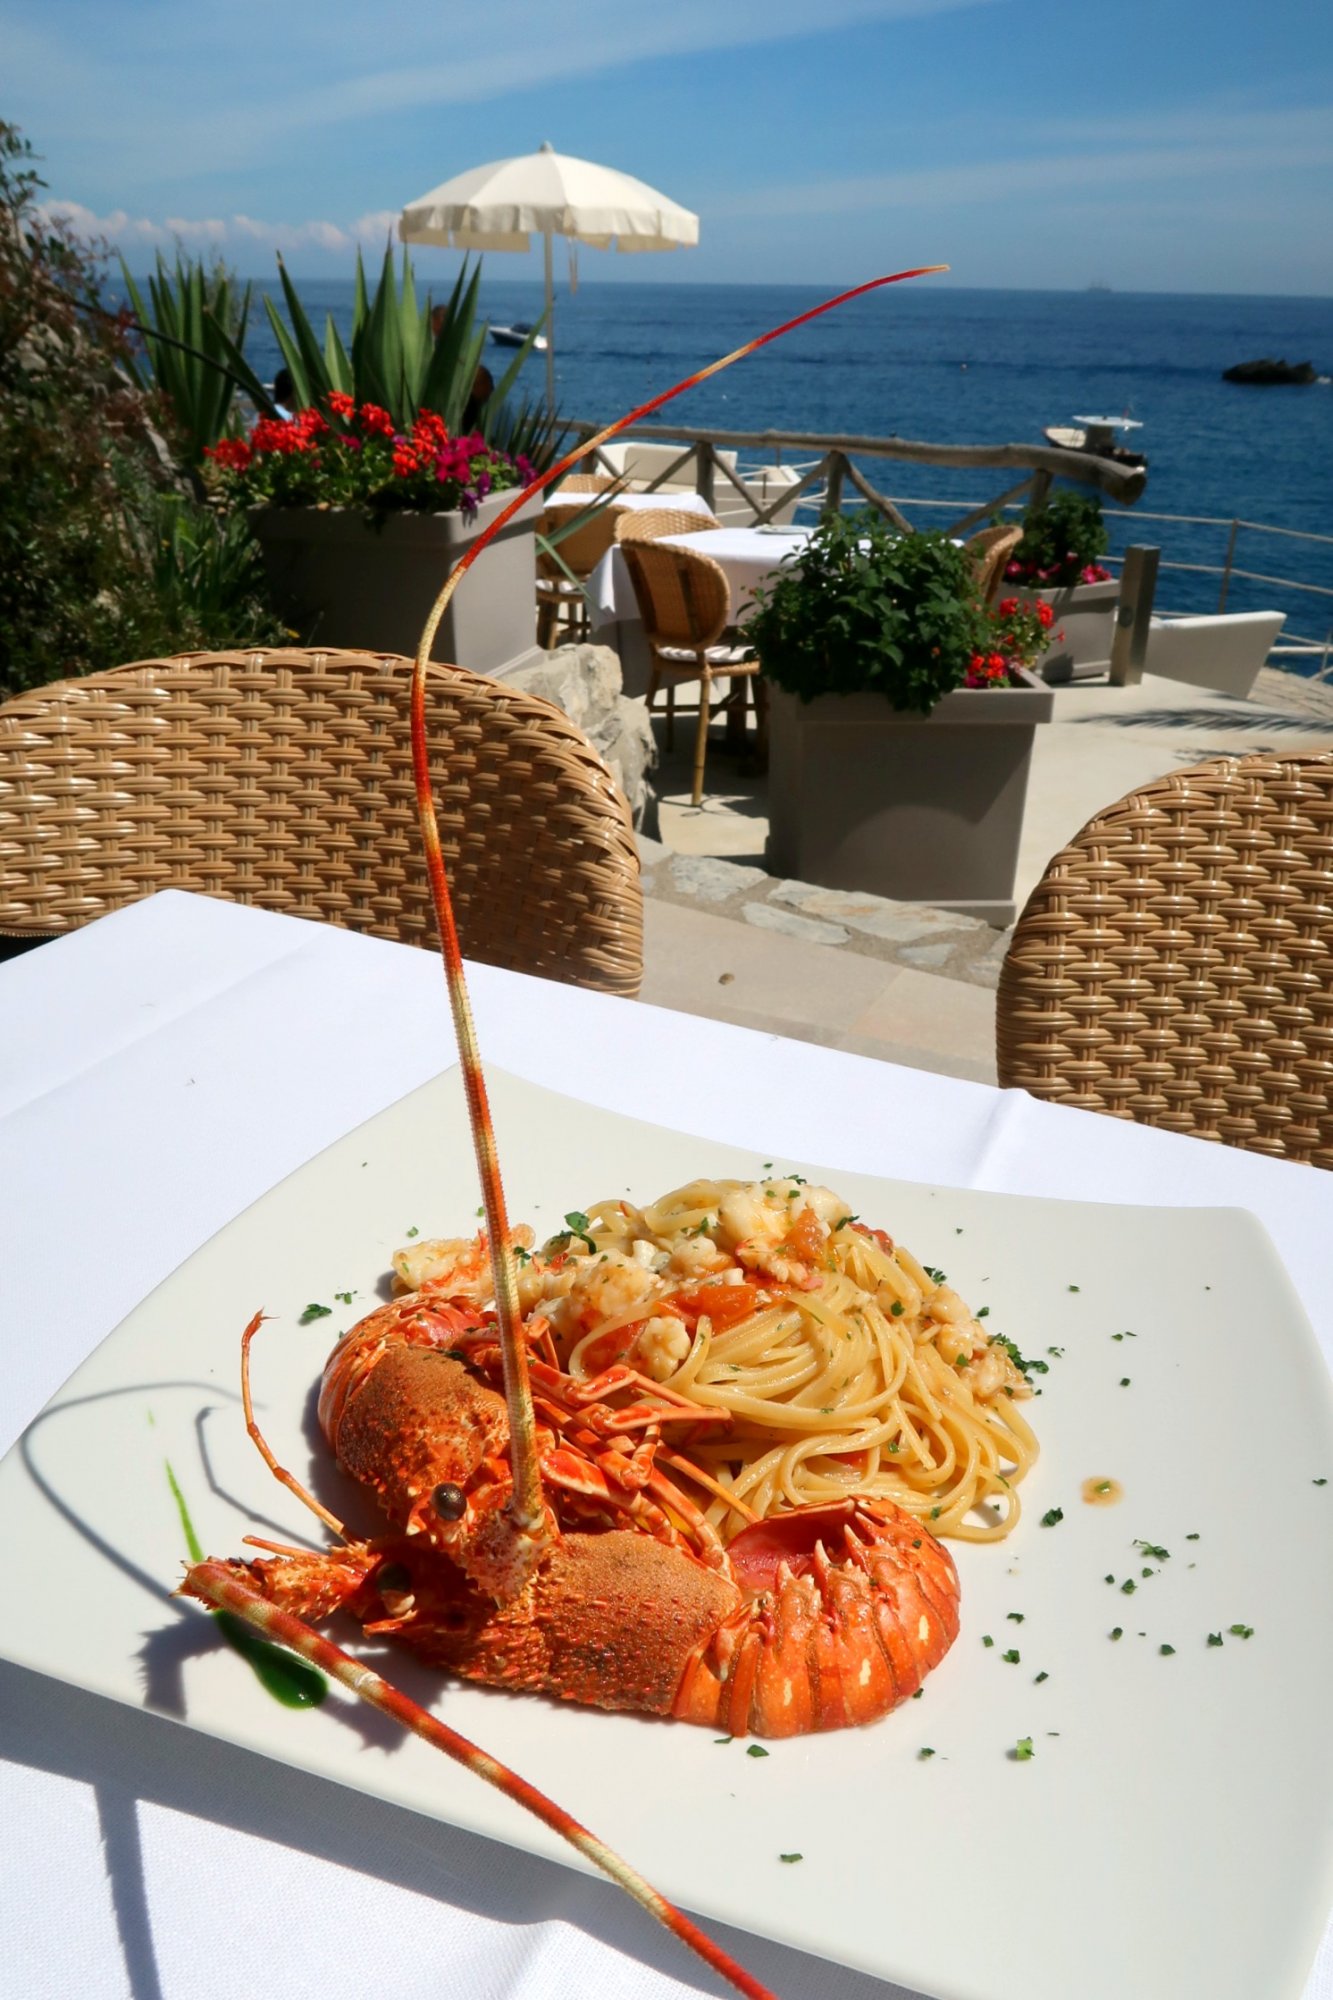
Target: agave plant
(194,324)
(399,363)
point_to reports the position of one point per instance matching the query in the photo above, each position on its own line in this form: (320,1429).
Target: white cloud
(127,232)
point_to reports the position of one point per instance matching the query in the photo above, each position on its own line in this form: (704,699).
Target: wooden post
(1138,583)
(1041,488)
(833,490)
(704,480)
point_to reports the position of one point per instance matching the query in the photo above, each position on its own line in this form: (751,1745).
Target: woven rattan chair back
(648,524)
(581,548)
(990,550)
(588,482)
(683,598)
(1174,965)
(284,779)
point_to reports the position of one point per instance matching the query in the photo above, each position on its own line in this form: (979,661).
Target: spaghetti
(847,1368)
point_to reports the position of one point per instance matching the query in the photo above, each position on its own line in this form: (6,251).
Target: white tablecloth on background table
(160,1070)
(686,503)
(748,555)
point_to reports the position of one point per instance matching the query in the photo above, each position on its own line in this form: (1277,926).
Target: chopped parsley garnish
(1319,1482)
(1058,1352)
(1025,1368)
(722,1739)
(1129,1586)
(413,1231)
(1011,1658)
(1242,1631)
(935,1513)
(346,1297)
(755,1750)
(517,1251)
(986,1639)
(314,1312)
(917,1544)
(1073,1288)
(1155,1550)
(791,1857)
(1109,1577)
(1016,1617)
(897,1309)
(480,1211)
(1214,1638)
(578,1225)
(917,1696)
(1042,1676)
(1191,1538)
(925,1751)
(983,1312)
(1124,1381)
(936,1277)
(1117,1631)
(963,1361)
(1102,1486)
(843,1221)
(1052,1517)
(1166,1649)
(1023,1750)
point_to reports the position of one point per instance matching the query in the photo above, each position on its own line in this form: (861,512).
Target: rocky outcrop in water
(1267,371)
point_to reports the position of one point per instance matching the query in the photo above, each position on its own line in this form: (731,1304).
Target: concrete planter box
(348,583)
(1085,613)
(921,808)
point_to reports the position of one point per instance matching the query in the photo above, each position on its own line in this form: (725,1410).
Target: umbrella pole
(550,325)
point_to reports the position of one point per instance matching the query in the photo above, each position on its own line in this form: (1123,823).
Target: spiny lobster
(535,1546)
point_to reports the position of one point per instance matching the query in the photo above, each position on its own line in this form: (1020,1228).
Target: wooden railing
(835,468)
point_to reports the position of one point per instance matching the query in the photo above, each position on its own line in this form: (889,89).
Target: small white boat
(514,336)
(1096,435)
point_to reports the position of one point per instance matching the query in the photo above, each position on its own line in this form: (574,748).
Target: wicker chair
(284,779)
(1175,963)
(649,524)
(685,603)
(990,551)
(560,598)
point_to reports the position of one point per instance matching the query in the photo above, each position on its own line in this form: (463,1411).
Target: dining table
(746,556)
(164,1067)
(624,501)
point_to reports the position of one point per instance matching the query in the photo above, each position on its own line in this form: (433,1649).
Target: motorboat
(1096,436)
(516,335)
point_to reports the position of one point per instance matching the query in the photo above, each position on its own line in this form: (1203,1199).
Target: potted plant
(902,716)
(1057,560)
(397,457)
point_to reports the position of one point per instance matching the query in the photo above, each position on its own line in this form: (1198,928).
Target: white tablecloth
(687,503)
(160,1070)
(748,555)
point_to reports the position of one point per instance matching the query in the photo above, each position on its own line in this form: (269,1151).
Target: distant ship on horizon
(1098,285)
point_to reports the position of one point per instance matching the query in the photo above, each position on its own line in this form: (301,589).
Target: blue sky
(1158,145)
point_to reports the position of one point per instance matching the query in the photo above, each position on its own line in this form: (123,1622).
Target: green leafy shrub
(102,549)
(1061,543)
(863,610)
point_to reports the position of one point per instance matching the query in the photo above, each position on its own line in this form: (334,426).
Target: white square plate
(1171,1833)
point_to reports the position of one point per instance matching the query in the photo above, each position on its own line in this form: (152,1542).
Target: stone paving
(909,934)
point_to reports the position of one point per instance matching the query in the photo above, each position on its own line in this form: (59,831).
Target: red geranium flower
(341,403)
(372,418)
(232,454)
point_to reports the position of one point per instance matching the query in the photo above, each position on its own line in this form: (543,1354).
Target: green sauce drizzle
(286,1678)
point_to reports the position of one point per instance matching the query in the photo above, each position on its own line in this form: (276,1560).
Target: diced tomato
(859,1459)
(805,1238)
(880,1236)
(608,1348)
(725,1305)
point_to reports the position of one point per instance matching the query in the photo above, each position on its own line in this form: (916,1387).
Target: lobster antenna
(215,1583)
(527,1511)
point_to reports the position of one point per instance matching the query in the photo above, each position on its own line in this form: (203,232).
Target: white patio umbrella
(503,205)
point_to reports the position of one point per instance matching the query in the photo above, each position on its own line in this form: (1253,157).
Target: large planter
(920,808)
(1085,615)
(341,581)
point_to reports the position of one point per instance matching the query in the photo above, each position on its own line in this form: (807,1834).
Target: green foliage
(198,365)
(1060,541)
(100,555)
(863,610)
(399,364)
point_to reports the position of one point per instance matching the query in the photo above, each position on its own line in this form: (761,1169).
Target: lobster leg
(218,1584)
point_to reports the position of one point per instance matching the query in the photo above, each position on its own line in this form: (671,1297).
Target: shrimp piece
(458,1266)
(780,1228)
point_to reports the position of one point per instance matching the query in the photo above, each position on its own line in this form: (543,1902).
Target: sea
(944,365)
